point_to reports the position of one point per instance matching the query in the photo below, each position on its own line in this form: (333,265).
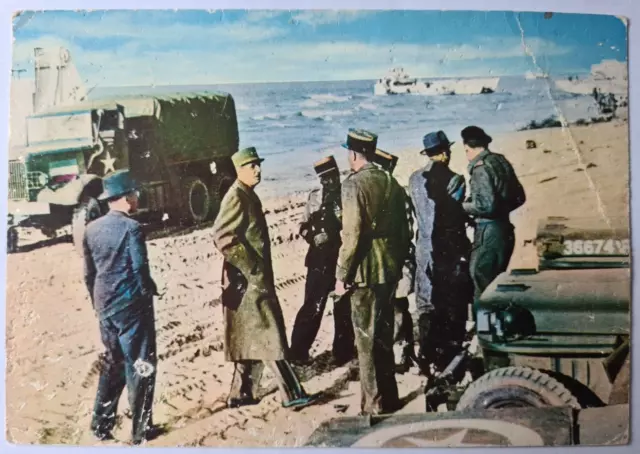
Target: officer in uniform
(255,333)
(375,244)
(403,326)
(495,193)
(443,286)
(116,272)
(320,228)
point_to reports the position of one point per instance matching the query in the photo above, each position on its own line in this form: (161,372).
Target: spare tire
(196,200)
(516,387)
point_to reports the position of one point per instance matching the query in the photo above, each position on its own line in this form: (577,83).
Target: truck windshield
(59,127)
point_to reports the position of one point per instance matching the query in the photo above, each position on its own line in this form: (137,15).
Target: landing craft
(397,82)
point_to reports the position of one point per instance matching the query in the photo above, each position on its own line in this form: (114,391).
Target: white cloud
(118,25)
(262,15)
(240,51)
(258,62)
(323,17)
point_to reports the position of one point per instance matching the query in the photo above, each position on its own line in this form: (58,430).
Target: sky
(162,47)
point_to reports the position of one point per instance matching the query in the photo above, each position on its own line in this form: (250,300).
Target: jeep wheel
(196,200)
(516,387)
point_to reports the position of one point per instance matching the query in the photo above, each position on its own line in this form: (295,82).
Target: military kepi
(385,160)
(361,141)
(325,166)
(117,184)
(245,156)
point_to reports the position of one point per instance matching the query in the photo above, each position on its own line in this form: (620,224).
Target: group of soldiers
(363,251)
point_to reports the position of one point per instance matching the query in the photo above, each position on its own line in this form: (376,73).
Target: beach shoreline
(53,341)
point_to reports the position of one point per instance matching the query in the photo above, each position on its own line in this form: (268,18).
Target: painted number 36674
(596,247)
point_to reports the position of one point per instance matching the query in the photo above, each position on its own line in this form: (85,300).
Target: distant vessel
(609,76)
(397,82)
(539,75)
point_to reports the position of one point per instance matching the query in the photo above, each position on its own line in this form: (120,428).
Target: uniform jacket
(320,227)
(407,281)
(441,241)
(375,231)
(495,188)
(437,194)
(254,325)
(116,266)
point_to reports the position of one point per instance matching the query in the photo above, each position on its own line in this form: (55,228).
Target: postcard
(275,228)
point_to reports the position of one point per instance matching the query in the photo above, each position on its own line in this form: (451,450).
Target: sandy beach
(53,341)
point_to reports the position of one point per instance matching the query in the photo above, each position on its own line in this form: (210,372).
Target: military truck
(178,146)
(557,335)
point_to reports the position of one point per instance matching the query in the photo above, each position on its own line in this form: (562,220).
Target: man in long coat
(255,333)
(375,243)
(443,286)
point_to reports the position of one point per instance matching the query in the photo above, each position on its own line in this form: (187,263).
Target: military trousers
(372,312)
(305,329)
(247,375)
(403,329)
(129,337)
(493,244)
(442,322)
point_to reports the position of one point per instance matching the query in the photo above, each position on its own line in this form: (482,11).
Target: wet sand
(53,341)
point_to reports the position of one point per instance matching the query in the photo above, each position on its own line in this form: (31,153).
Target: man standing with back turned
(375,243)
(443,286)
(495,193)
(119,282)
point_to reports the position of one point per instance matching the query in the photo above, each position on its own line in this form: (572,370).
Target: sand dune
(53,341)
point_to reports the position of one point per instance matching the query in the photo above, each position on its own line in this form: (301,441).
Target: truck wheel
(516,387)
(219,188)
(12,240)
(196,200)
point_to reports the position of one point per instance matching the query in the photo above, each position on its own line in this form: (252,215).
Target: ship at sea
(397,82)
(608,76)
(539,75)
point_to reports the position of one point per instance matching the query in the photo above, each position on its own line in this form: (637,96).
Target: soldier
(495,193)
(375,244)
(255,333)
(321,227)
(403,326)
(117,275)
(443,286)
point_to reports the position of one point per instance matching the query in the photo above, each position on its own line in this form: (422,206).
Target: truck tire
(12,240)
(219,188)
(196,200)
(516,387)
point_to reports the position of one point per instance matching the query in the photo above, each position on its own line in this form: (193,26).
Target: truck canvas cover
(186,125)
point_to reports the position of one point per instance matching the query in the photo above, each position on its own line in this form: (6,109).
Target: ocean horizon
(294,124)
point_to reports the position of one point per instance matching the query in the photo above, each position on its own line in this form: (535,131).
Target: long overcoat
(254,324)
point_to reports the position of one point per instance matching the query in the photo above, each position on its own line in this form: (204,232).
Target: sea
(294,124)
